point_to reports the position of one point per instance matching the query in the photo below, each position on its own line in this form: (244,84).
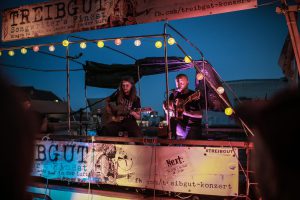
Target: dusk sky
(240,45)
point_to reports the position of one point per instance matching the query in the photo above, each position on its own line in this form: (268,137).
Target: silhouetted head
(276,126)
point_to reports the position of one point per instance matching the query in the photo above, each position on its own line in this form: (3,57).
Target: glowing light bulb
(11,53)
(23,50)
(158,44)
(171,41)
(83,45)
(200,76)
(51,48)
(220,90)
(35,48)
(100,44)
(228,111)
(188,59)
(65,43)
(118,41)
(137,43)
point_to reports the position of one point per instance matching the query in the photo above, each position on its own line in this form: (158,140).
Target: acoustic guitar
(177,106)
(119,112)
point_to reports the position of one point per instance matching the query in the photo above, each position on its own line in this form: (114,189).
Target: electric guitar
(177,106)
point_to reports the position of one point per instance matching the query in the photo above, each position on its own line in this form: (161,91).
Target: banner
(197,170)
(68,16)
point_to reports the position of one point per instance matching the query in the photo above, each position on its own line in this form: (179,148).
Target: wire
(268,3)
(37,70)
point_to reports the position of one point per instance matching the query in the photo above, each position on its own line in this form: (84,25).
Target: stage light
(188,59)
(100,44)
(82,45)
(11,53)
(220,90)
(23,50)
(137,43)
(65,43)
(36,48)
(158,44)
(51,48)
(171,41)
(200,76)
(228,111)
(118,41)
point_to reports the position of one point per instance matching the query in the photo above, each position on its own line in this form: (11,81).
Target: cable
(268,3)
(37,70)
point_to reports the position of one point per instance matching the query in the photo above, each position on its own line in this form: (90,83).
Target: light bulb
(220,90)
(228,111)
(188,59)
(11,53)
(100,44)
(158,44)
(200,76)
(137,43)
(51,48)
(36,48)
(23,50)
(82,45)
(118,41)
(65,43)
(171,41)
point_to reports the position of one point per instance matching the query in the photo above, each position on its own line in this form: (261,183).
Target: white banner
(198,170)
(67,16)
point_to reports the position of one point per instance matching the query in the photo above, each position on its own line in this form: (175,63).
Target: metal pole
(167,82)
(205,94)
(290,13)
(68,89)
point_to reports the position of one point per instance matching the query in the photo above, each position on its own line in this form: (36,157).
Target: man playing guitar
(184,109)
(121,107)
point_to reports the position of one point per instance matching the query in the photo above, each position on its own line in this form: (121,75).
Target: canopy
(109,76)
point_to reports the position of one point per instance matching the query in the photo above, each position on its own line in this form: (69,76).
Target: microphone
(173,90)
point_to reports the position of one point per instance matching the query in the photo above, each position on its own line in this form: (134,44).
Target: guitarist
(123,119)
(185,121)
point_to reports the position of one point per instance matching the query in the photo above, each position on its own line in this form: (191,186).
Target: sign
(68,16)
(197,170)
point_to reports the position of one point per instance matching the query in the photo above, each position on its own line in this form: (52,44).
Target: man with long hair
(122,108)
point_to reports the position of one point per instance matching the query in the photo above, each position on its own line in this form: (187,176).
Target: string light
(100,44)
(188,59)
(51,48)
(65,43)
(36,48)
(82,45)
(220,90)
(11,53)
(228,111)
(118,41)
(158,44)
(137,42)
(23,50)
(200,76)
(171,41)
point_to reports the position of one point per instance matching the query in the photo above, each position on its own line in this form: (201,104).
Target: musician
(120,107)
(188,126)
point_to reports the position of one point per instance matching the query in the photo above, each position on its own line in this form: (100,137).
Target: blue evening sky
(239,45)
